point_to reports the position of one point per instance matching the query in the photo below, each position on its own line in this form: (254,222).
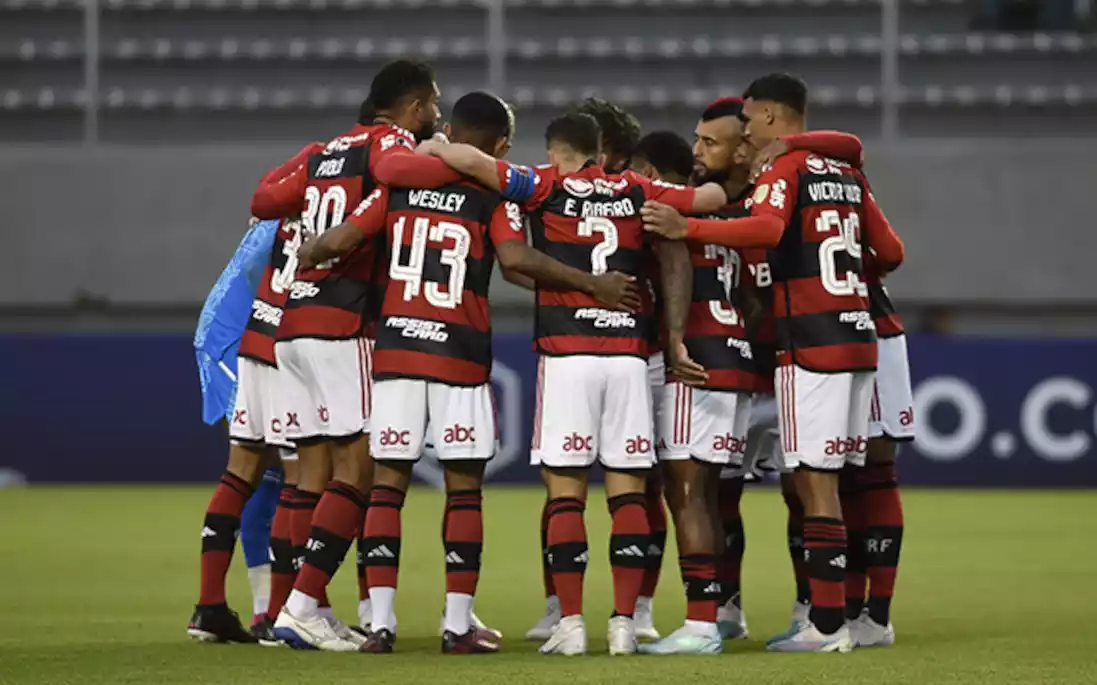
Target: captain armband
(519,184)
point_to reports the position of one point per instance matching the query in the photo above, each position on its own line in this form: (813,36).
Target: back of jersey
(591,221)
(435,322)
(820,298)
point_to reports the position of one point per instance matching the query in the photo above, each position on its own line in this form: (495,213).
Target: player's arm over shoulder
(708,197)
(888,249)
(366,221)
(775,192)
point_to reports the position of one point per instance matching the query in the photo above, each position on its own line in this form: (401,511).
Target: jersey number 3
(411,274)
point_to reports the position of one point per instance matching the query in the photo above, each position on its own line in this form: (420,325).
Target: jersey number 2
(454,257)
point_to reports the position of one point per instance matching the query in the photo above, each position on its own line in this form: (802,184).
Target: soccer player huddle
(701,315)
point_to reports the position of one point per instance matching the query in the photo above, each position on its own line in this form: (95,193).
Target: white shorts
(763,451)
(256,417)
(823,417)
(411,414)
(327,386)
(891,414)
(657,378)
(593,408)
(708,425)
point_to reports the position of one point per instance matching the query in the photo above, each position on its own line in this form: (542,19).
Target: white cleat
(312,633)
(810,639)
(477,624)
(568,638)
(621,636)
(644,621)
(365,615)
(346,632)
(545,626)
(686,640)
(732,622)
(868,633)
(800,616)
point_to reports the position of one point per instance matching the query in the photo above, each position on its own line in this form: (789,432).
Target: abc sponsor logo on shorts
(390,437)
(840,447)
(728,443)
(638,445)
(1068,438)
(458,434)
(583,444)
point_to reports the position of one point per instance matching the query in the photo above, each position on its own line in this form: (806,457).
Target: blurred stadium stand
(158,116)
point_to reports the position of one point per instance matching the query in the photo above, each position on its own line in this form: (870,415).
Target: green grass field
(98,584)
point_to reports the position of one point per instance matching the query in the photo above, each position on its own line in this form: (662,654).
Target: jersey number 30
(422,232)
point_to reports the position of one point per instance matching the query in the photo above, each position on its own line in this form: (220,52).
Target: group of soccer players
(700,315)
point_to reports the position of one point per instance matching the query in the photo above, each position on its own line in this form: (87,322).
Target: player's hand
(664,220)
(306,255)
(765,157)
(429,147)
(617,291)
(682,367)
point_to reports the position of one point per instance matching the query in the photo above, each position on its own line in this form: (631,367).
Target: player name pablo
(831,191)
(593,208)
(433,199)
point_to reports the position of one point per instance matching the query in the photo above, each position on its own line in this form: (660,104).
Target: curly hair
(620,130)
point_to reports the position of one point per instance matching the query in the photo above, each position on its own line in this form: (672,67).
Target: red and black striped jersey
(435,321)
(337,300)
(591,221)
(266,310)
(821,303)
(716,335)
(762,336)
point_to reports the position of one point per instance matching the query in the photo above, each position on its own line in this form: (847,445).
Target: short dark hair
(784,89)
(668,152)
(724,107)
(578,131)
(483,115)
(394,81)
(620,130)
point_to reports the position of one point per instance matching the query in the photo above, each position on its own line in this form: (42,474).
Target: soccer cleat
(731,622)
(643,620)
(491,633)
(312,633)
(686,640)
(545,626)
(346,632)
(263,631)
(800,612)
(621,636)
(810,639)
(365,617)
(218,623)
(475,641)
(868,633)
(569,637)
(379,642)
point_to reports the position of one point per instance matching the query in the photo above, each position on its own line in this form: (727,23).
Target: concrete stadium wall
(984,222)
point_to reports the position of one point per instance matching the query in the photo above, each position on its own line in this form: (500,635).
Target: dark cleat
(218,623)
(263,631)
(473,642)
(378,642)
(361,630)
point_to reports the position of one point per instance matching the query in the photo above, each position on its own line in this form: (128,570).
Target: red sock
(300,525)
(382,535)
(795,536)
(363,582)
(883,536)
(282,573)
(567,552)
(463,539)
(657,543)
(703,593)
(546,570)
(729,565)
(825,541)
(853,512)
(337,516)
(627,550)
(219,532)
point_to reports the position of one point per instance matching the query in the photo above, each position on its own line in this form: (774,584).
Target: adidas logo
(454,558)
(839,561)
(630,551)
(654,551)
(713,588)
(208,532)
(381,551)
(582,558)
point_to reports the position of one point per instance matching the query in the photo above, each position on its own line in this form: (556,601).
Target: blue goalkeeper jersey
(224,317)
